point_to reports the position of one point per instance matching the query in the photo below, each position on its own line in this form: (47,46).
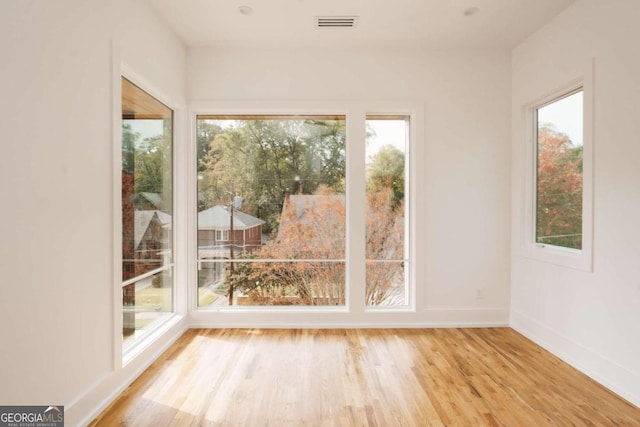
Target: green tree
(147,161)
(129,139)
(152,156)
(261,159)
(386,170)
(206,133)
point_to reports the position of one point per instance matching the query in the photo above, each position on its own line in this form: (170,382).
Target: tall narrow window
(387,243)
(147,210)
(274,186)
(559,183)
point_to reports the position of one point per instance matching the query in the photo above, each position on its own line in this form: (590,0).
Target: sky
(146,128)
(387,132)
(566,116)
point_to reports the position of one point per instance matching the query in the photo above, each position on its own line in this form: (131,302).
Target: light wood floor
(390,377)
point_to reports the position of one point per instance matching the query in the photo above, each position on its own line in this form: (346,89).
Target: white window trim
(566,257)
(409,219)
(355,113)
(125,354)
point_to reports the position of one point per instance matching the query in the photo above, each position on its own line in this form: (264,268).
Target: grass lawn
(206,296)
(151,303)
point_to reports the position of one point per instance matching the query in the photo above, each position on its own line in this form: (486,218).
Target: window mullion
(356,210)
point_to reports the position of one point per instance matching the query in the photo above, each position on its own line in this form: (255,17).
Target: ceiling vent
(336,21)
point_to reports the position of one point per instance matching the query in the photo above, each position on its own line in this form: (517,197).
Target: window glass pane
(386,283)
(147,197)
(147,302)
(266,283)
(386,222)
(271,188)
(559,172)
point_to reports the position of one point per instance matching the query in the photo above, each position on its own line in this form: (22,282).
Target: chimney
(287,195)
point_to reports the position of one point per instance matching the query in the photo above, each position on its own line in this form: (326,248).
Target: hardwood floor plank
(367,377)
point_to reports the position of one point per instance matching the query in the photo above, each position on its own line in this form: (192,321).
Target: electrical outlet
(479,293)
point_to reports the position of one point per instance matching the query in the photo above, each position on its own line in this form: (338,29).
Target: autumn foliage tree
(261,158)
(384,241)
(385,227)
(312,227)
(559,190)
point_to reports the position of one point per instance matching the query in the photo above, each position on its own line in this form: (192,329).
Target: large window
(387,243)
(557,213)
(271,210)
(147,213)
(559,177)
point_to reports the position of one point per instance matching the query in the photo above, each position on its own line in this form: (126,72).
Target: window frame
(407,259)
(580,259)
(355,113)
(124,354)
(257,115)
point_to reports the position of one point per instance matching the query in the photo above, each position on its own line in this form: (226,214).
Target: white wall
(56,254)
(463,186)
(56,263)
(591,320)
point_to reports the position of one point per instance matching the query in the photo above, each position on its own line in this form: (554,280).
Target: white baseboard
(288,319)
(100,395)
(620,380)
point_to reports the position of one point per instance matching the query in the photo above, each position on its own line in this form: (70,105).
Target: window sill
(274,309)
(563,257)
(132,350)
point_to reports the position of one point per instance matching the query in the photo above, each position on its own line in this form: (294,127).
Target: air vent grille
(336,21)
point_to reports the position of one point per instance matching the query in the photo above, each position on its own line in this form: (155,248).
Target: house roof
(304,203)
(306,208)
(218,218)
(154,198)
(313,226)
(144,218)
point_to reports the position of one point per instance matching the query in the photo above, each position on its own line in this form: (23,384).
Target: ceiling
(438,24)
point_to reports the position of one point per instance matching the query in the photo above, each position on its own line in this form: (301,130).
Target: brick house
(215,238)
